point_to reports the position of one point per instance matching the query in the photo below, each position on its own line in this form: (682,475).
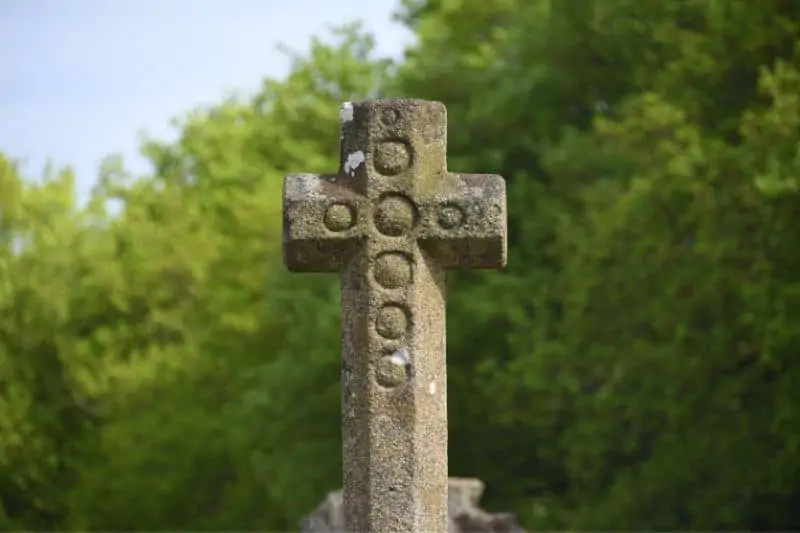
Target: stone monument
(392,221)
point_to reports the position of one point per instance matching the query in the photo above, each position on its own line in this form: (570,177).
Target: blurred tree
(44,418)
(209,352)
(620,129)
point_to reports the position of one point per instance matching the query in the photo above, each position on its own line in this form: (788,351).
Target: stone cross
(391,222)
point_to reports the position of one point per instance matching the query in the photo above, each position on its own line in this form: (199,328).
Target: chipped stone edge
(346,112)
(353,161)
(305,185)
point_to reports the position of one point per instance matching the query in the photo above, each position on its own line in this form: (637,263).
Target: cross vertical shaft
(392,221)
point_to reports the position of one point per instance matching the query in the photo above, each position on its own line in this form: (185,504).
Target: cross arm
(320,222)
(464,221)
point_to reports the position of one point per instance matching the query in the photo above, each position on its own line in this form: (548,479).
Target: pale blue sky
(80,79)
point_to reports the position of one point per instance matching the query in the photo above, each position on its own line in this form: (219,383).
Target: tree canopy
(631,369)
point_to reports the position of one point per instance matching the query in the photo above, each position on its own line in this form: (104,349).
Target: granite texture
(391,222)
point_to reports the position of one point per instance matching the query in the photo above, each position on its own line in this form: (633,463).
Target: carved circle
(390,115)
(339,217)
(395,215)
(391,371)
(391,157)
(392,321)
(392,270)
(450,216)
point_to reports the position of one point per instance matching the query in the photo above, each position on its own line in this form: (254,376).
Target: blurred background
(631,369)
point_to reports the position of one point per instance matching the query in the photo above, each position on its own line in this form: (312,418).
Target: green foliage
(628,355)
(633,368)
(43,416)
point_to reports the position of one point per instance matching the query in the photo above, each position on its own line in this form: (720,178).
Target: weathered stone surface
(391,222)
(463,503)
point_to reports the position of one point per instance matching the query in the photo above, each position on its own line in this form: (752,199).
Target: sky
(82,79)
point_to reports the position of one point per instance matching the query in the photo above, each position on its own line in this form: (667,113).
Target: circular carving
(392,370)
(391,157)
(392,321)
(390,115)
(450,216)
(392,270)
(395,215)
(339,217)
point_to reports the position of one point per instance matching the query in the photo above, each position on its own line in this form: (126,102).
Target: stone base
(465,514)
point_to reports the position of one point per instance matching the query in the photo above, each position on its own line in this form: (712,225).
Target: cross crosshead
(392,221)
